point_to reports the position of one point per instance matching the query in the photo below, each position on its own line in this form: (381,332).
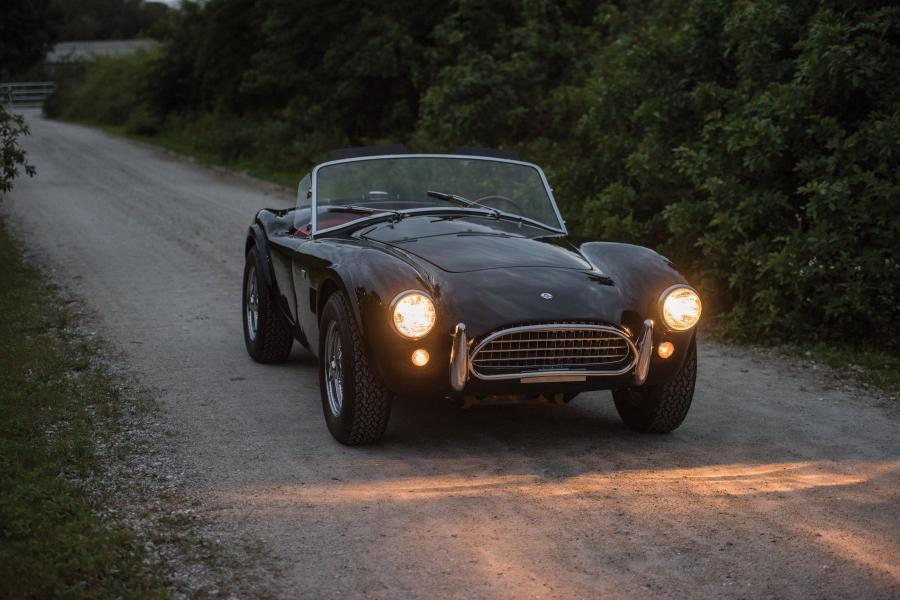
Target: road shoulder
(93,503)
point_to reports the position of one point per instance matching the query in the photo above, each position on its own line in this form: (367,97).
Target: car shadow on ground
(435,422)
(589,428)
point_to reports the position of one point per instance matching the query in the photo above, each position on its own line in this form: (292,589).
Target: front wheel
(355,401)
(660,408)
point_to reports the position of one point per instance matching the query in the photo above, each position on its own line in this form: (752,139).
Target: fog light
(420,357)
(665,350)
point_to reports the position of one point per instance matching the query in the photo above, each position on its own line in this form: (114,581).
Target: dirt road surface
(776,485)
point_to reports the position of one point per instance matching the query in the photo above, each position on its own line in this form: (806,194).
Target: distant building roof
(80,51)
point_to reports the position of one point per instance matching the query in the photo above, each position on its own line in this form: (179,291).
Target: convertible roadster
(452,275)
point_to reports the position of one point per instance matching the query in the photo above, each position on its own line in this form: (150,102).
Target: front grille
(553,348)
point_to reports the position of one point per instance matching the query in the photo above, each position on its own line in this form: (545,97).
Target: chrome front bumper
(460,360)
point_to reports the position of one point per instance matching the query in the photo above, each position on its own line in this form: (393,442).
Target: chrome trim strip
(554,379)
(315,203)
(646,353)
(459,358)
(554,327)
(549,357)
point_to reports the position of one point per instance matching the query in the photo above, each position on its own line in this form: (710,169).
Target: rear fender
(256,237)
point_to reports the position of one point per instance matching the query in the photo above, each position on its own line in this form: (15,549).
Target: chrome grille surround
(553,349)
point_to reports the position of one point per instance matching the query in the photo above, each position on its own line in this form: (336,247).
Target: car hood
(463,245)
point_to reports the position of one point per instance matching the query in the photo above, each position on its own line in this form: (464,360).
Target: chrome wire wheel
(252,294)
(334,365)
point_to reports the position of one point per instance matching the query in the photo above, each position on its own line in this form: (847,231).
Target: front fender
(371,276)
(640,273)
(643,275)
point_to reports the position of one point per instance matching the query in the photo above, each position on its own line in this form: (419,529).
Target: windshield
(357,189)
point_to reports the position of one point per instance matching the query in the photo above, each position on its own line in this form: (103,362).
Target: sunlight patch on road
(734,479)
(740,479)
(479,538)
(861,549)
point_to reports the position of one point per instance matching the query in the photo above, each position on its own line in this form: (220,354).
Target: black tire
(660,408)
(272,339)
(365,404)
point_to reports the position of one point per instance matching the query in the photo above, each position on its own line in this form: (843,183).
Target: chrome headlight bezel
(393,311)
(667,293)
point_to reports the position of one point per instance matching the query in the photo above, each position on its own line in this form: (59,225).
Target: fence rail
(26,93)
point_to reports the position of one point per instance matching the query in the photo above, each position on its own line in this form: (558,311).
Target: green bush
(770,173)
(112,91)
(12,156)
(755,142)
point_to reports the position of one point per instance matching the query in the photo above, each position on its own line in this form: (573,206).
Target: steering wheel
(517,209)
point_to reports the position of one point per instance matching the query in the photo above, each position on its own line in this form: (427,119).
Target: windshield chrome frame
(315,201)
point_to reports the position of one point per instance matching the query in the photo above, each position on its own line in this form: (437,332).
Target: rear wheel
(355,401)
(660,408)
(267,333)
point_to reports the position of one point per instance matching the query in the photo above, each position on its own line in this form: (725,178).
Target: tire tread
(660,408)
(372,400)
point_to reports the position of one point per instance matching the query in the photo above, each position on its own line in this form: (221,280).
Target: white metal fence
(25,93)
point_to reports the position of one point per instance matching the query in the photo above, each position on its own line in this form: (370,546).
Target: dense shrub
(771,173)
(12,156)
(753,141)
(112,91)
(26,35)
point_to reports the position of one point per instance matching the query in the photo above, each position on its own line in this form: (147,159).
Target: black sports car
(453,275)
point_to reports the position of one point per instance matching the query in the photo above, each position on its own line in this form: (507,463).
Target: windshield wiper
(496,212)
(461,200)
(367,210)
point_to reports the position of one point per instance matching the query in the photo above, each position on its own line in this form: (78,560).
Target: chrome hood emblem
(546,295)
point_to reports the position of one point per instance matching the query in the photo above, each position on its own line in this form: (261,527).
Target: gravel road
(777,485)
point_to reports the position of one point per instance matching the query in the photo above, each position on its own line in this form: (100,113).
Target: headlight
(681,308)
(413,314)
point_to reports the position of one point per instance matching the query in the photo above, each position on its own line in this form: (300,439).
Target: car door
(303,263)
(284,246)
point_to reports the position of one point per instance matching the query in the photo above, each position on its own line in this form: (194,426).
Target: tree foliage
(12,156)
(107,19)
(755,142)
(27,33)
